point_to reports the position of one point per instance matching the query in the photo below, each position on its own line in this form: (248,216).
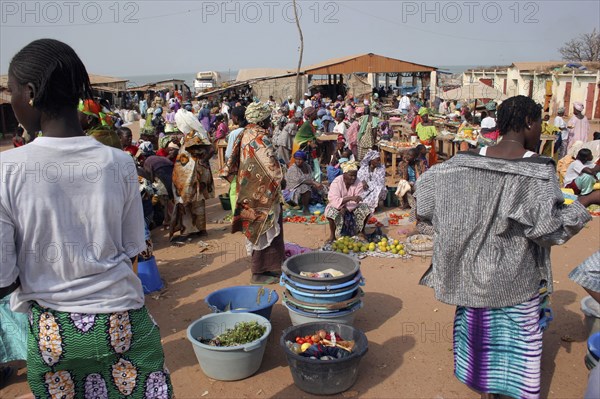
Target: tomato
(299,340)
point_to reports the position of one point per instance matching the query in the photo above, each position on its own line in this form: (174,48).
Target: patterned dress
(95,356)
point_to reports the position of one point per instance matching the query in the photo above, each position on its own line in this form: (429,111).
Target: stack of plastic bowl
(325,299)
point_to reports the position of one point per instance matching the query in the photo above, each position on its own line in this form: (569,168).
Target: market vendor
(301,186)
(466,124)
(410,169)
(346,212)
(367,132)
(427,133)
(372,176)
(582,174)
(305,140)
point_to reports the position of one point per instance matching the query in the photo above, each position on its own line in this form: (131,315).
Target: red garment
(415,122)
(18,143)
(133,150)
(162,152)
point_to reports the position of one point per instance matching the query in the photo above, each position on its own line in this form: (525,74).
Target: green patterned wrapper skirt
(112,355)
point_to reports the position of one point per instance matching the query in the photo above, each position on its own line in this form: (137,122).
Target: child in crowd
(582,174)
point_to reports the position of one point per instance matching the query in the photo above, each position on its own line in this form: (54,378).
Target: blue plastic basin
(243,299)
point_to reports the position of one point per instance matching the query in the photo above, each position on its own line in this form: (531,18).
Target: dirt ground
(409,332)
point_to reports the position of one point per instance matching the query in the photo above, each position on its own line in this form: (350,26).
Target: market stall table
(544,140)
(395,150)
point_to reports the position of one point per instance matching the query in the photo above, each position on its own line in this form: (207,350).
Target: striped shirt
(494,221)
(587,274)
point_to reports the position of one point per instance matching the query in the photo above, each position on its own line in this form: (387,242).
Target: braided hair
(55,71)
(514,112)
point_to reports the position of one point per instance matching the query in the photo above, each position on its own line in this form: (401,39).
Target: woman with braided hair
(496,212)
(69,247)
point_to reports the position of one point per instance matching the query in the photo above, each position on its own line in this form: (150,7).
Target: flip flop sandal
(262,279)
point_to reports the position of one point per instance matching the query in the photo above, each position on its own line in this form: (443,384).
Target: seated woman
(346,213)
(372,176)
(301,183)
(410,169)
(582,174)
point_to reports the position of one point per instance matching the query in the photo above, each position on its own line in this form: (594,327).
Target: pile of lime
(392,246)
(347,244)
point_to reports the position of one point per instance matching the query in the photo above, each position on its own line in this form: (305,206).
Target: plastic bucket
(148,273)
(325,377)
(322,297)
(342,305)
(342,317)
(243,299)
(225,202)
(591,310)
(314,262)
(358,279)
(227,363)
(593,354)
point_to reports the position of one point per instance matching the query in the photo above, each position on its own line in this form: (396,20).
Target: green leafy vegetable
(243,333)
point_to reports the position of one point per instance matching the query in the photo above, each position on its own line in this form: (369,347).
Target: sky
(146,37)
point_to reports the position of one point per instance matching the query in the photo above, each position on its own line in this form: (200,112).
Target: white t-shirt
(562,125)
(70,220)
(574,170)
(404,103)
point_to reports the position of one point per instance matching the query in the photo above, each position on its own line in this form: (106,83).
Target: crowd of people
(274,159)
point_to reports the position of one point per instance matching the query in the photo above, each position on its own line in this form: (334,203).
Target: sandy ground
(409,332)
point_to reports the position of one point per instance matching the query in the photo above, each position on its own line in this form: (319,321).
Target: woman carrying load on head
(372,176)
(257,209)
(501,276)
(346,212)
(86,310)
(192,179)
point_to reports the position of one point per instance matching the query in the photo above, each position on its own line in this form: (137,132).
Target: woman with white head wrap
(578,125)
(372,176)
(192,179)
(257,208)
(346,212)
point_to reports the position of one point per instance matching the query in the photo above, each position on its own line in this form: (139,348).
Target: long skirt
(360,215)
(189,218)
(284,154)
(75,355)
(432,156)
(271,258)
(499,350)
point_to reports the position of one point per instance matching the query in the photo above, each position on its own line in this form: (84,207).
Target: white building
(550,83)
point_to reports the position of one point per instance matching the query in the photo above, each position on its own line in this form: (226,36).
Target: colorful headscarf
(300,155)
(164,141)
(309,112)
(350,166)
(369,156)
(360,110)
(257,112)
(90,107)
(491,106)
(321,112)
(423,111)
(146,148)
(341,138)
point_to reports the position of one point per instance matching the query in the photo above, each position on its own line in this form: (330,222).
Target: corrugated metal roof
(100,79)
(365,63)
(256,73)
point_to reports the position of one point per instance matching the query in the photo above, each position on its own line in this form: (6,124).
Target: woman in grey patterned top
(495,215)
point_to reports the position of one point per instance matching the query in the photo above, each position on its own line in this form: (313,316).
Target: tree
(585,47)
(298,95)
